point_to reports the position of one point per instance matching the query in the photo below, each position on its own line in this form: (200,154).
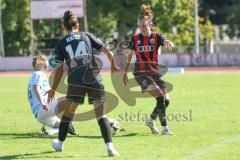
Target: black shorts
(95,92)
(89,83)
(144,80)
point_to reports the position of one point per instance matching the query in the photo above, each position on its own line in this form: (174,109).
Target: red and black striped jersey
(146,49)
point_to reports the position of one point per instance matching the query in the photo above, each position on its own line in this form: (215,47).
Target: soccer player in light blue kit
(38,88)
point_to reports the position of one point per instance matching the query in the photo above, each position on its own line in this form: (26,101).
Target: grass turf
(206,123)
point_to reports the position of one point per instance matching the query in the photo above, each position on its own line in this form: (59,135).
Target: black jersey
(146,49)
(76,49)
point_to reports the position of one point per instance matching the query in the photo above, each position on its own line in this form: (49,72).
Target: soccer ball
(114,126)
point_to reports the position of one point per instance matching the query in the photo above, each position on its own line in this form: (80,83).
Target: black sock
(64,127)
(162,111)
(156,110)
(167,102)
(154,114)
(163,120)
(105,129)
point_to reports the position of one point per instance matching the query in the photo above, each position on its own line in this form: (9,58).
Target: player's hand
(45,107)
(125,78)
(115,68)
(51,94)
(169,45)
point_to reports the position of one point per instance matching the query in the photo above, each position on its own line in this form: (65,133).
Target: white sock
(165,128)
(53,131)
(60,142)
(109,145)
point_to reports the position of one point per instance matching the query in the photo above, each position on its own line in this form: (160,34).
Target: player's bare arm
(36,90)
(114,67)
(57,78)
(125,77)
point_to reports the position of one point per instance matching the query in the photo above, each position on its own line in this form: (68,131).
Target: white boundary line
(212,148)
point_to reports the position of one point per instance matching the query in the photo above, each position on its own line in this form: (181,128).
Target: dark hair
(70,20)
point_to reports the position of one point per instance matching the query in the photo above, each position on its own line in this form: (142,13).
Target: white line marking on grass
(212,148)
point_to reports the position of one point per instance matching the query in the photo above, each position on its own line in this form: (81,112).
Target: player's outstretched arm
(168,44)
(125,77)
(114,67)
(57,78)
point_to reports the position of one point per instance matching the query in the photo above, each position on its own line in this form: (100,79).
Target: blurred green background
(111,19)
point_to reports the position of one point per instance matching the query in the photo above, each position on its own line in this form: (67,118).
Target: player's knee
(70,112)
(98,104)
(70,109)
(154,90)
(99,110)
(160,103)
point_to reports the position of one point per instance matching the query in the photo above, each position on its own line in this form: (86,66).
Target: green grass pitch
(208,129)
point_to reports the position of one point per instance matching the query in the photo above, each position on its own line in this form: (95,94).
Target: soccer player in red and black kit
(76,50)
(147,71)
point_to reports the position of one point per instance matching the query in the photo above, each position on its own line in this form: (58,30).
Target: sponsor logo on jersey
(152,41)
(145,48)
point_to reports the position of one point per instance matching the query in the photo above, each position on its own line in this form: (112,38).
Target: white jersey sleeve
(38,79)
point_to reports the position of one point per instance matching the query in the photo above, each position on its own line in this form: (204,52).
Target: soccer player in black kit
(146,70)
(76,51)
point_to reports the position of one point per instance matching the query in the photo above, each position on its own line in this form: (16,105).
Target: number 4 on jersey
(80,51)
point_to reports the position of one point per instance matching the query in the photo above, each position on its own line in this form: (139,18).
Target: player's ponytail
(146,10)
(146,13)
(70,20)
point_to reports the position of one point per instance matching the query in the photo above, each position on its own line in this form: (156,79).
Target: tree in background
(108,16)
(234,19)
(217,10)
(221,12)
(47,32)
(175,18)
(126,14)
(2,53)
(101,21)
(2,4)
(16,27)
